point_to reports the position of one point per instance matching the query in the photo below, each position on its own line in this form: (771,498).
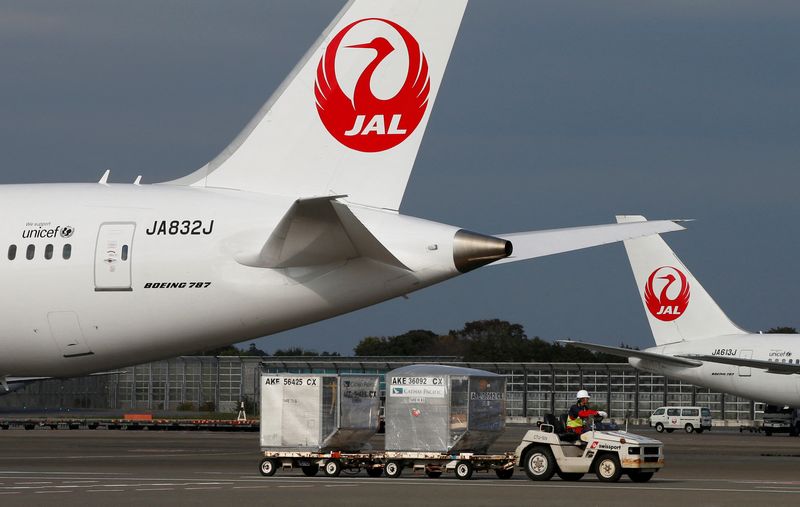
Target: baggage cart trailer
(390,463)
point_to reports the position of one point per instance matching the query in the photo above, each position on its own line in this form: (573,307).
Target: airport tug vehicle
(608,453)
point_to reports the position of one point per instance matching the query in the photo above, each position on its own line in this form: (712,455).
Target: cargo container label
(290,382)
(417,391)
(418,381)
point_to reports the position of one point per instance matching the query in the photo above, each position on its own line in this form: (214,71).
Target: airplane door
(112,258)
(744,371)
(67,333)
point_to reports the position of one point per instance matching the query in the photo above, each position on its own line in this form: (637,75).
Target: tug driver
(580,411)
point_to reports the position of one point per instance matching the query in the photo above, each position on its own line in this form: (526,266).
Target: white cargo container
(435,408)
(318,412)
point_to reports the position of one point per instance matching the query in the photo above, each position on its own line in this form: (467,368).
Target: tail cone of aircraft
(472,250)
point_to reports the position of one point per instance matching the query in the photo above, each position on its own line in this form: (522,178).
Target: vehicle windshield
(706,412)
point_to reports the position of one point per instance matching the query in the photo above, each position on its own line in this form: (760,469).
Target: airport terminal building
(219,384)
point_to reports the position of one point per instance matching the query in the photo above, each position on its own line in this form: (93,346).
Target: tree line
(492,340)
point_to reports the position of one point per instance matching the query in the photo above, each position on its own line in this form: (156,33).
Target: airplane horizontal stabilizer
(770,366)
(529,245)
(639,354)
(317,231)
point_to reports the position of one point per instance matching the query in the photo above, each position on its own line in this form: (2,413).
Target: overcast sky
(551,114)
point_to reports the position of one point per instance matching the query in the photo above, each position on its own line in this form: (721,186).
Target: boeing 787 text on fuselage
(294,222)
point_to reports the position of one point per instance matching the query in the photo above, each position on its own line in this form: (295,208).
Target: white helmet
(583,393)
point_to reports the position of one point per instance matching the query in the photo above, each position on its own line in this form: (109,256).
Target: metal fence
(193,383)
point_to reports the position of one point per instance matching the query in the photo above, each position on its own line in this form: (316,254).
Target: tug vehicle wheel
(640,476)
(569,476)
(608,468)
(539,464)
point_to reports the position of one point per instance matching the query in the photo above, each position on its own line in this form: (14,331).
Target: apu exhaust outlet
(472,250)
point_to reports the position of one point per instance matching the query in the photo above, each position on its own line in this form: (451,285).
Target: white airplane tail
(678,308)
(349,119)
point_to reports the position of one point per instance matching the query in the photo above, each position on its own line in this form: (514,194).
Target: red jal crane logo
(663,307)
(365,122)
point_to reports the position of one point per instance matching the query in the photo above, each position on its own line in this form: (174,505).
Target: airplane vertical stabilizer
(349,119)
(678,308)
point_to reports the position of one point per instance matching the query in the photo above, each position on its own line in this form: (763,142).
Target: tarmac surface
(102,467)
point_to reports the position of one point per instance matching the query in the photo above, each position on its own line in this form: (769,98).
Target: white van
(688,419)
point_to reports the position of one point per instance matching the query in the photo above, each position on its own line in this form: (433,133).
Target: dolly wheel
(393,469)
(433,474)
(504,473)
(374,471)
(268,467)
(310,470)
(464,470)
(333,467)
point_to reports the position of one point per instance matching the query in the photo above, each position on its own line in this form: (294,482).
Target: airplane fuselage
(122,274)
(752,383)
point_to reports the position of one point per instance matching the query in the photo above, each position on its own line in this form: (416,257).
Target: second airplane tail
(678,308)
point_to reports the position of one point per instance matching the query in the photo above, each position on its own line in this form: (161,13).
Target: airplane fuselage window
(124,252)
(48,252)
(30,251)
(12,252)
(66,253)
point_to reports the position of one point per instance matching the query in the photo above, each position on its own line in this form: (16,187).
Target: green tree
(494,340)
(418,342)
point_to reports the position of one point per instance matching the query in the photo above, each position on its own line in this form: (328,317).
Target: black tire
(569,476)
(504,473)
(268,467)
(332,468)
(670,430)
(310,470)
(607,468)
(539,464)
(433,474)
(640,476)
(374,472)
(659,427)
(464,470)
(688,428)
(768,433)
(393,469)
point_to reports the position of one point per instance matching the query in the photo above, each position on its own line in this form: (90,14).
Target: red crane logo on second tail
(663,307)
(365,122)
